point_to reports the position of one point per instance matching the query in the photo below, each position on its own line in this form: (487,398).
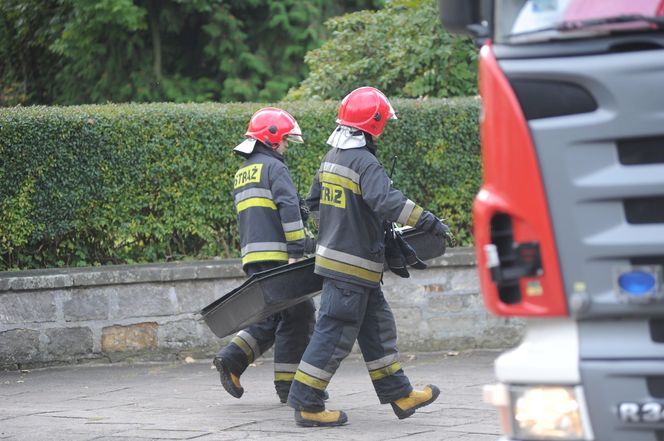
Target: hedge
(94,185)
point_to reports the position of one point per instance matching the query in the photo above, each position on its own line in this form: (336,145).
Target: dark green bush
(92,185)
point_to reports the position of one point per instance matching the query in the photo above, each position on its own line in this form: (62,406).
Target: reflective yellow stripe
(384,372)
(284,376)
(310,381)
(255,202)
(295,235)
(341,181)
(264,255)
(348,269)
(414,216)
(245,347)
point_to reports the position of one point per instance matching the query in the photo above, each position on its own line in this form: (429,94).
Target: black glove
(309,245)
(393,255)
(409,253)
(431,224)
(304,210)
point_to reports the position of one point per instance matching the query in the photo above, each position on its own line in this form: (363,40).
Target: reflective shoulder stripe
(294,235)
(410,213)
(385,372)
(252,193)
(255,202)
(292,226)
(331,178)
(344,268)
(264,255)
(341,171)
(349,258)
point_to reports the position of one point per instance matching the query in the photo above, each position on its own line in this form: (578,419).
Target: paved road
(182,401)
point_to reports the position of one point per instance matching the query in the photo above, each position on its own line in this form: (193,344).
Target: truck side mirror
(465,17)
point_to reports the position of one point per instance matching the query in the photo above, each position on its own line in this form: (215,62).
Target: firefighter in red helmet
(352,196)
(271,234)
(366,109)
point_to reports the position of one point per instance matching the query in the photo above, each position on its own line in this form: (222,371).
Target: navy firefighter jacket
(268,212)
(354,196)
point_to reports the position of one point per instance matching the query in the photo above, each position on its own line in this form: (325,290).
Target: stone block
(88,304)
(411,329)
(455,257)
(436,287)
(5,283)
(144,300)
(224,286)
(231,268)
(437,279)
(44,281)
(466,279)
(445,325)
(179,334)
(19,346)
(68,342)
(207,338)
(404,293)
(118,275)
(137,337)
(178,273)
(28,307)
(194,296)
(455,302)
(446,343)
(408,318)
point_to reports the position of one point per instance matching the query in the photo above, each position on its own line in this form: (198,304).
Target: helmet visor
(294,138)
(295,135)
(392,114)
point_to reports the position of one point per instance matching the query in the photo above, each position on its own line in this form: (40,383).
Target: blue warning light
(637,283)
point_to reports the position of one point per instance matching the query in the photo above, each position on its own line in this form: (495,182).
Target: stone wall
(150,312)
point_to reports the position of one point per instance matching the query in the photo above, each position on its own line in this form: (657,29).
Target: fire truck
(569,220)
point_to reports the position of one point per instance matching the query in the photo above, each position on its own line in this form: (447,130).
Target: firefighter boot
(327,418)
(229,380)
(406,406)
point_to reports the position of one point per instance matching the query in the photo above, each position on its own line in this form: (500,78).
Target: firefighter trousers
(289,331)
(350,312)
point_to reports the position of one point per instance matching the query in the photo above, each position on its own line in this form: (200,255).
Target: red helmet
(367,109)
(270,125)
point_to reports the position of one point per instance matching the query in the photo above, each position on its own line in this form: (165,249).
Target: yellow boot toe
(324,418)
(406,406)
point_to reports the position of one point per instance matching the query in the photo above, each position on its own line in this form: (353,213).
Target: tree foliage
(95,51)
(27,66)
(401,49)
